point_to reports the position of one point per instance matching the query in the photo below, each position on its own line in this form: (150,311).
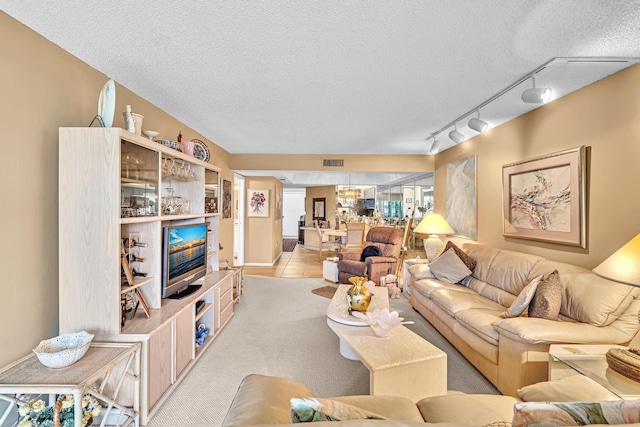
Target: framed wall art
(226,199)
(319,208)
(258,203)
(462,207)
(544,198)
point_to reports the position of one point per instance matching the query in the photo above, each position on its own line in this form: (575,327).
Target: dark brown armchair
(388,240)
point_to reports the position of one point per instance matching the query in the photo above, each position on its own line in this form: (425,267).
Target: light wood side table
(101,372)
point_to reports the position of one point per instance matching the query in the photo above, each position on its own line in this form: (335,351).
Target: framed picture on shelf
(319,208)
(258,203)
(544,198)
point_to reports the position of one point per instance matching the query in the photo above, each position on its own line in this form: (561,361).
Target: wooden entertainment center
(111,187)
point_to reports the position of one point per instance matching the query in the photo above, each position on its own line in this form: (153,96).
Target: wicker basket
(626,362)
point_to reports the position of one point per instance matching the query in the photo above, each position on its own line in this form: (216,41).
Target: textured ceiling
(337,77)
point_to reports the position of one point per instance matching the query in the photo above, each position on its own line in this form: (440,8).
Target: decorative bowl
(175,145)
(150,133)
(63,350)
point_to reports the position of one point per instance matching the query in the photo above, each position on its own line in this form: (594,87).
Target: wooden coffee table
(402,364)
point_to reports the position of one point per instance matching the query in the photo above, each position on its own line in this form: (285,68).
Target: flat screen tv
(184,258)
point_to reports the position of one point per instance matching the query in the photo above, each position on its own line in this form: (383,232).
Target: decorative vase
(358,295)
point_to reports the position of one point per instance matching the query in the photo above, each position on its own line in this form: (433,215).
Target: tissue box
(389,279)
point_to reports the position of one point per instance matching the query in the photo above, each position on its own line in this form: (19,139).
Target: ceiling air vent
(332,163)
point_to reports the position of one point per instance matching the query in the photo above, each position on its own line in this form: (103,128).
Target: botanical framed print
(226,199)
(462,207)
(258,203)
(319,208)
(544,198)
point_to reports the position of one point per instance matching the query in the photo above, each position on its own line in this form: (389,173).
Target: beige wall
(263,235)
(604,116)
(44,88)
(325,191)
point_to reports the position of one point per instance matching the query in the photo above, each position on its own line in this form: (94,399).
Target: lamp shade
(433,224)
(624,265)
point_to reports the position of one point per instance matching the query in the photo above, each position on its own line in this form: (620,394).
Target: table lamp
(433,224)
(624,267)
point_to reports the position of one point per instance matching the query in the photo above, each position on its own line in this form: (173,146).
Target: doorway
(238,219)
(292,209)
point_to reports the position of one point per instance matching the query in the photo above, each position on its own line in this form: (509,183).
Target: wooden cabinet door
(160,355)
(185,339)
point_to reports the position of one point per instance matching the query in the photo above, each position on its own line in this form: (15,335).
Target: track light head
(435,147)
(536,95)
(478,125)
(456,136)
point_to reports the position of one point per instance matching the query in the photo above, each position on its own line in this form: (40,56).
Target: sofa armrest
(349,256)
(543,331)
(263,399)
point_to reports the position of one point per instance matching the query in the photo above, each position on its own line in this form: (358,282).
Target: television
(184,259)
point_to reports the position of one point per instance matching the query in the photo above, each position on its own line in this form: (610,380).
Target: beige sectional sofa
(513,352)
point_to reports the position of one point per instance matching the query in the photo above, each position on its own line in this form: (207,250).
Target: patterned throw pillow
(524,298)
(311,409)
(449,268)
(575,413)
(468,260)
(548,298)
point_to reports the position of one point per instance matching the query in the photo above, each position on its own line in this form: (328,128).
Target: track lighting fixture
(536,95)
(456,136)
(477,124)
(435,147)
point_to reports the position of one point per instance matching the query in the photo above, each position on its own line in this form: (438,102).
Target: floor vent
(332,163)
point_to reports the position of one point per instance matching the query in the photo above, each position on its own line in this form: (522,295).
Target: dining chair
(330,245)
(354,241)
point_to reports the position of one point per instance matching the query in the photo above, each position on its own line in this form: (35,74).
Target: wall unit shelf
(113,186)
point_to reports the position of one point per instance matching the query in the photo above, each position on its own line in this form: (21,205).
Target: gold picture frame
(544,198)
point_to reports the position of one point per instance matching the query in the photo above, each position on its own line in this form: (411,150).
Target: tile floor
(303,263)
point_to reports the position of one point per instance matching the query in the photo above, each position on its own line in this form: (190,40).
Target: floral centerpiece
(37,414)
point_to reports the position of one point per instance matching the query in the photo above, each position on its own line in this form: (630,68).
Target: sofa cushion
(568,389)
(468,260)
(480,321)
(449,268)
(576,413)
(421,271)
(502,297)
(510,271)
(451,302)
(311,409)
(548,298)
(476,409)
(427,286)
(521,303)
(483,255)
(270,394)
(591,299)
(390,407)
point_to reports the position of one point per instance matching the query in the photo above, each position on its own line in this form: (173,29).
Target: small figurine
(180,136)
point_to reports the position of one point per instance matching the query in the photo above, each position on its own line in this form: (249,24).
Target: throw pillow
(568,389)
(524,298)
(548,298)
(311,409)
(370,251)
(421,271)
(449,268)
(575,413)
(468,260)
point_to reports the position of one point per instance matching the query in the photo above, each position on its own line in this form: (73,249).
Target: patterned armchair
(388,240)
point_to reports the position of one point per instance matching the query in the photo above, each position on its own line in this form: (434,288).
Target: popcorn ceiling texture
(316,76)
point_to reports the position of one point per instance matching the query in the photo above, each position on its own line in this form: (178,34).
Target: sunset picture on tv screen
(187,249)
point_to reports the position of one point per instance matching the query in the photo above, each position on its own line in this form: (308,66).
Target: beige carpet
(325,291)
(280,328)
